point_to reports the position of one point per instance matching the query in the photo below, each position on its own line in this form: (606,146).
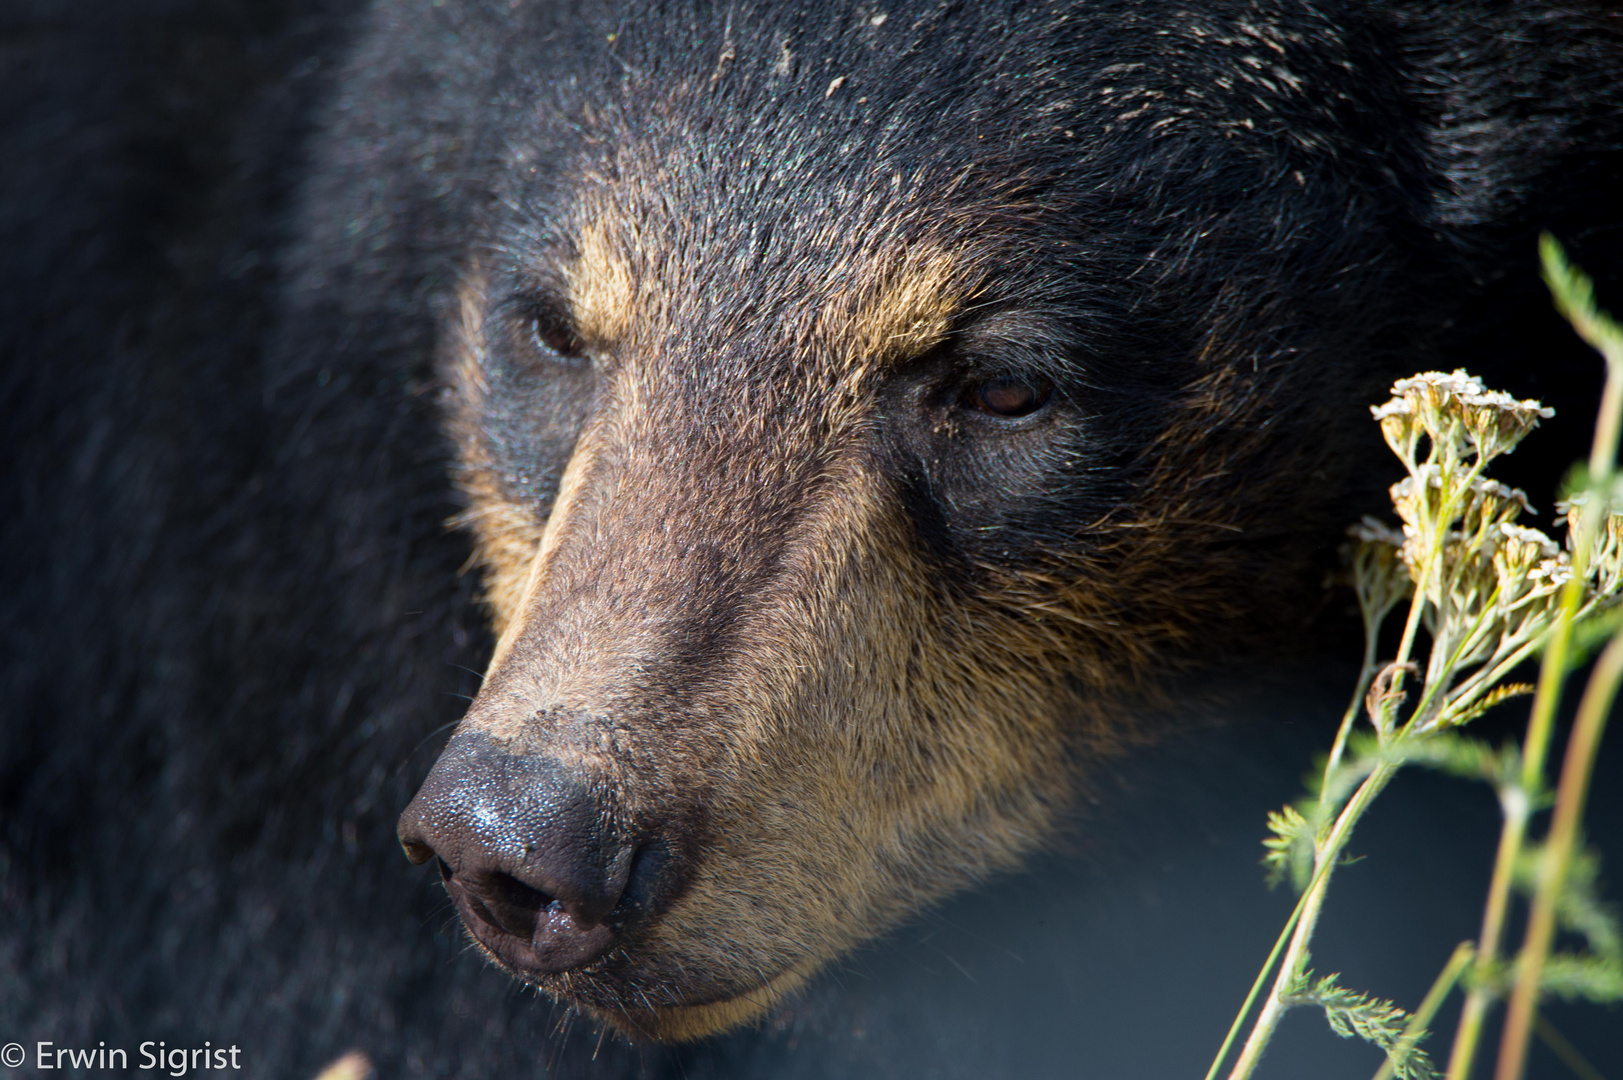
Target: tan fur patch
(864,700)
(600,282)
(506,537)
(893,308)
(515,600)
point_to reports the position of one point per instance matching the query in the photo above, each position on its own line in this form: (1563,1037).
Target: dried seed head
(1488,504)
(1495,422)
(1604,567)
(1380,576)
(1527,545)
(1434,389)
(1419,498)
(1458,414)
(1399,427)
(1556,571)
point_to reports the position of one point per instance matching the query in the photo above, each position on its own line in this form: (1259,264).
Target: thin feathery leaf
(1575,298)
(1583,976)
(1493,697)
(1463,756)
(1290,848)
(1579,907)
(1374,1020)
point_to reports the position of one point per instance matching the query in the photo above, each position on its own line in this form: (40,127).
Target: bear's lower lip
(691,1017)
(556,944)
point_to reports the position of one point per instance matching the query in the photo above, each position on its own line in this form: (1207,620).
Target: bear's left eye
(1009,397)
(554,332)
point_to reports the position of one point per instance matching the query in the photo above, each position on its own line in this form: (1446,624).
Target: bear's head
(852,404)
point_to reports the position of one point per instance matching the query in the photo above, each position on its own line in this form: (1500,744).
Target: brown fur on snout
(848,756)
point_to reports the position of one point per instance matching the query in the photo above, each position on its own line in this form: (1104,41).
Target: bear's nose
(528,851)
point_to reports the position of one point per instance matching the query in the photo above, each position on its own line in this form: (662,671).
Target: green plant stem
(1433,1000)
(1553,671)
(1603,451)
(1290,968)
(1576,771)
(1365,676)
(1516,801)
(1411,627)
(1256,985)
(1485,679)
(1438,659)
(1602,464)
(1515,805)
(1574,297)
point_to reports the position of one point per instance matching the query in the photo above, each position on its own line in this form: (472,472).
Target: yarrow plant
(1485,594)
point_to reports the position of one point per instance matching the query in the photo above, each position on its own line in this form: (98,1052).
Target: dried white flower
(1457,414)
(1395,407)
(1503,402)
(1493,489)
(1489,503)
(1438,386)
(1572,502)
(1519,535)
(1495,422)
(1557,571)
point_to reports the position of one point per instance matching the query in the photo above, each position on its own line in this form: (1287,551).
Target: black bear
(860,414)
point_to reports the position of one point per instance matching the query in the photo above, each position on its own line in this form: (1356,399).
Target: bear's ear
(1511,97)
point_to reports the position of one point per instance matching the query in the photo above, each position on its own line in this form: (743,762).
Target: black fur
(235,630)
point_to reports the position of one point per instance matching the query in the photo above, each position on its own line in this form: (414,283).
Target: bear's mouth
(537,932)
(597,965)
(550,944)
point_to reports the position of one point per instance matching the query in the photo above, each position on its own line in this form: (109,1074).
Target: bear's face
(833,479)
(792,712)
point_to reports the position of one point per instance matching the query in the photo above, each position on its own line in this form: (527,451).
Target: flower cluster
(1487,588)
(1606,558)
(1458,412)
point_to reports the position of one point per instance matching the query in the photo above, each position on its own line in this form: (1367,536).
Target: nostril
(503,901)
(416,851)
(413,836)
(647,877)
